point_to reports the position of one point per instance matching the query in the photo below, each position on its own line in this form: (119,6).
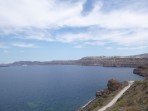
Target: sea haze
(54,87)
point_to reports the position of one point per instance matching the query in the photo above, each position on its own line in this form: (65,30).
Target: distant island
(106,61)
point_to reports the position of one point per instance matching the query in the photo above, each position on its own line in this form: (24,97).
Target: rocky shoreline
(141,70)
(113,87)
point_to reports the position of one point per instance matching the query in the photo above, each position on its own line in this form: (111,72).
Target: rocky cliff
(141,70)
(113,61)
(103,96)
(107,61)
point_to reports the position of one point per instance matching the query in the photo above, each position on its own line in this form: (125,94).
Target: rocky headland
(103,96)
(134,99)
(141,70)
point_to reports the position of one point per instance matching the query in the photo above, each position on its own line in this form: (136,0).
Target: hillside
(135,99)
(105,96)
(113,61)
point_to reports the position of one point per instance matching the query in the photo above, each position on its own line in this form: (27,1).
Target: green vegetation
(135,99)
(108,94)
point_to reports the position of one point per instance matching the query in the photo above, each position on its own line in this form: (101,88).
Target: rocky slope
(141,70)
(104,96)
(134,99)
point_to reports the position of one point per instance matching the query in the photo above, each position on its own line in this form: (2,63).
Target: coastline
(87,104)
(114,100)
(93,101)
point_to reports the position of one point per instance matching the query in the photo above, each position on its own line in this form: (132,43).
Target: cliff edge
(134,99)
(141,70)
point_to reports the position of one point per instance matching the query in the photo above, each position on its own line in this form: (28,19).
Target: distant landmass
(107,61)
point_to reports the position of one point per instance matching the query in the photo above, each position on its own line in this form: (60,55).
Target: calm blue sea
(54,88)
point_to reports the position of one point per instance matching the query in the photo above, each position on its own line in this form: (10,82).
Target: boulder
(99,93)
(114,85)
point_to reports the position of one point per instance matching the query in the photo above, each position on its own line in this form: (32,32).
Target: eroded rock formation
(141,70)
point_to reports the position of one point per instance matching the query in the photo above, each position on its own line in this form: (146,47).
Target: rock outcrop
(99,93)
(114,85)
(141,70)
(102,96)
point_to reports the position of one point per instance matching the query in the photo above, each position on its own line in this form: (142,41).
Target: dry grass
(135,99)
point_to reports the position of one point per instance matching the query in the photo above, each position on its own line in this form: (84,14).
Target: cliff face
(114,61)
(141,70)
(111,61)
(134,99)
(106,62)
(113,85)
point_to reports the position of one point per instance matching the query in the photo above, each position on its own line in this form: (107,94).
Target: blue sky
(45,30)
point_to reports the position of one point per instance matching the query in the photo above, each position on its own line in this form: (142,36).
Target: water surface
(54,88)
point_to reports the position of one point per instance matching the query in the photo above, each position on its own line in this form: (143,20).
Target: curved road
(114,100)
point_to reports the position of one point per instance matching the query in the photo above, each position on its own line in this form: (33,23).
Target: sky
(44,30)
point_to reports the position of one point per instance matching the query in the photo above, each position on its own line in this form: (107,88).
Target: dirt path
(114,100)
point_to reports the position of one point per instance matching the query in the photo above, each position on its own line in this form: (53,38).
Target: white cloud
(72,37)
(131,37)
(124,27)
(116,19)
(36,13)
(132,48)
(38,36)
(78,46)
(53,13)
(24,45)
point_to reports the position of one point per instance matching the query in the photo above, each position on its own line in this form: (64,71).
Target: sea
(55,87)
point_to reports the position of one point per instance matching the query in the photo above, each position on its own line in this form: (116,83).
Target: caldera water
(55,87)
